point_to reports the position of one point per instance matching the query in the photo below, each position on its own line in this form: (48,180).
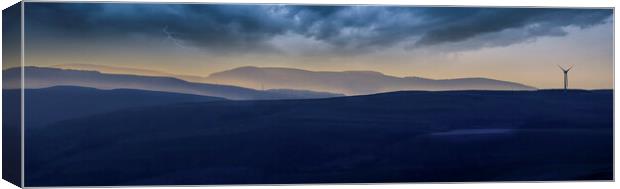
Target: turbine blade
(561,68)
(571,67)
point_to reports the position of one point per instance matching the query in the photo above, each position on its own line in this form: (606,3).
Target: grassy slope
(391,137)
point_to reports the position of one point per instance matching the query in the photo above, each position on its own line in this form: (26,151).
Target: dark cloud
(208,26)
(11,36)
(537,22)
(11,28)
(352,28)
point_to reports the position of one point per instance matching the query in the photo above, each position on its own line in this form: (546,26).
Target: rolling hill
(127,71)
(445,136)
(351,82)
(48,105)
(41,77)
(346,82)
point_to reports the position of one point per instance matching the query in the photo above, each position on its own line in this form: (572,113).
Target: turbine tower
(565,76)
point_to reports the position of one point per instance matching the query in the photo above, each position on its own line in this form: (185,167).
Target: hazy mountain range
(129,71)
(351,82)
(345,82)
(40,77)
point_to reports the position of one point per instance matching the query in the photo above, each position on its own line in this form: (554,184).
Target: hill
(393,137)
(48,105)
(351,82)
(345,82)
(41,77)
(126,71)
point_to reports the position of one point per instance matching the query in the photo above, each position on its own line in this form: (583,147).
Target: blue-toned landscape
(80,136)
(420,137)
(122,94)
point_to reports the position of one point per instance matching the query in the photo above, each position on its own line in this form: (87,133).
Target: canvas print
(122,94)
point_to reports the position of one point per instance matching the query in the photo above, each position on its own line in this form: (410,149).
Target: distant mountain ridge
(352,82)
(128,71)
(41,77)
(345,82)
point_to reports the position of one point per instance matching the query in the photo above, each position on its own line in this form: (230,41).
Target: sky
(522,45)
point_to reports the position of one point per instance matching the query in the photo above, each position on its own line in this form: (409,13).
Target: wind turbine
(565,76)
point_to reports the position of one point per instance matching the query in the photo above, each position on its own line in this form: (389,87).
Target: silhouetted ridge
(351,82)
(341,82)
(40,77)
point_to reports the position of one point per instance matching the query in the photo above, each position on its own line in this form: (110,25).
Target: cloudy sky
(516,44)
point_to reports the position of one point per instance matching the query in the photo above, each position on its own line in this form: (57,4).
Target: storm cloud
(356,29)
